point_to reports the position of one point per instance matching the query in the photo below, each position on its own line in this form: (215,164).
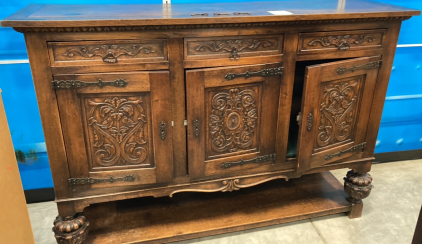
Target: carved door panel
(336,104)
(116,127)
(232,119)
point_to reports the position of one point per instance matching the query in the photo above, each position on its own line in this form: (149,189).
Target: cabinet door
(116,127)
(232,119)
(336,104)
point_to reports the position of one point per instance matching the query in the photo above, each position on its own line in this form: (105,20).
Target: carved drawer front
(340,41)
(336,107)
(232,119)
(232,47)
(115,127)
(111,52)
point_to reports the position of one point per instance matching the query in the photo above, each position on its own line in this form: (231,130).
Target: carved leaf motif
(337,112)
(118,126)
(233,120)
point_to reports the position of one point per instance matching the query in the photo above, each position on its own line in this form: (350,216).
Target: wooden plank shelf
(193,215)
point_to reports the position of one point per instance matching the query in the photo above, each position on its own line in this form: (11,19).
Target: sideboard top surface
(49,15)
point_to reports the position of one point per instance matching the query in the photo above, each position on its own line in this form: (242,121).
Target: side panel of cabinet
(232,120)
(337,99)
(117,135)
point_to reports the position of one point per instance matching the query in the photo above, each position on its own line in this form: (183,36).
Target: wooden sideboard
(155,100)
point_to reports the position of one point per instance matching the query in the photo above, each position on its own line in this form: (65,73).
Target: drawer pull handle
(203,14)
(260,159)
(237,13)
(163,130)
(75,84)
(219,14)
(196,127)
(234,55)
(358,147)
(369,65)
(263,73)
(309,121)
(90,181)
(344,47)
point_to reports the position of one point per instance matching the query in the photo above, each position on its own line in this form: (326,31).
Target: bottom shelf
(193,215)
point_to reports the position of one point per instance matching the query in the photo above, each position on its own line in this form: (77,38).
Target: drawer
(111,52)
(340,41)
(232,47)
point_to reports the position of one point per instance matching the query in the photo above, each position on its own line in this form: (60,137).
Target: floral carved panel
(117,129)
(339,104)
(233,120)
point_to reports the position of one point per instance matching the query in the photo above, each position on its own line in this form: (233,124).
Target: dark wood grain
(335,111)
(39,15)
(273,203)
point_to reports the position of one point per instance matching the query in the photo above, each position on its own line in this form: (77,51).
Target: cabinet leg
(358,186)
(71,229)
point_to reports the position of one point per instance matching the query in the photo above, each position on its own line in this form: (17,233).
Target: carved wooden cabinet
(151,100)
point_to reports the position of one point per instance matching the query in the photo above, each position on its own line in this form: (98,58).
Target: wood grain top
(48,15)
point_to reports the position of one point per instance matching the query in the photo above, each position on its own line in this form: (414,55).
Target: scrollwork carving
(119,128)
(342,42)
(337,111)
(109,53)
(233,120)
(231,45)
(230,185)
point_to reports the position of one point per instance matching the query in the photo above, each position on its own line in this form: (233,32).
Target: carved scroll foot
(71,229)
(357,186)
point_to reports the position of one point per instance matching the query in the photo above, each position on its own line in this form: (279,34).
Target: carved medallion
(338,112)
(118,130)
(233,120)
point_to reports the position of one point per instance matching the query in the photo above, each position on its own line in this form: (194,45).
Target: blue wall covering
(401,125)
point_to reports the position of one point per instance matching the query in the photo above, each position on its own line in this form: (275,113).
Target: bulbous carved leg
(357,186)
(71,229)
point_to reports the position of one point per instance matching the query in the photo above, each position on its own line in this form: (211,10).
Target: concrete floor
(389,215)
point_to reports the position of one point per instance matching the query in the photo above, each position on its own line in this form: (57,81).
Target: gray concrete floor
(389,215)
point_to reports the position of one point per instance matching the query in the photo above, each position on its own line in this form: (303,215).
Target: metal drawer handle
(260,159)
(203,14)
(263,73)
(356,148)
(219,14)
(163,130)
(309,121)
(196,127)
(90,181)
(237,13)
(369,65)
(75,84)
